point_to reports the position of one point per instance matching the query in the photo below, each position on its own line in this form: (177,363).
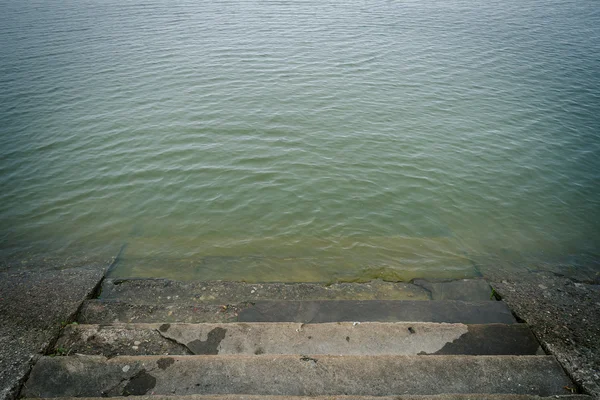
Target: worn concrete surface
(292,338)
(151,291)
(148,291)
(564,314)
(461,289)
(343,397)
(110,311)
(93,376)
(113,311)
(33,305)
(450,311)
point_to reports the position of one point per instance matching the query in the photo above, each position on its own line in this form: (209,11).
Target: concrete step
(148,291)
(346,338)
(308,259)
(295,375)
(344,397)
(451,311)
(151,291)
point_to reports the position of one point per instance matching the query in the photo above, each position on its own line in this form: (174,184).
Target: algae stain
(211,344)
(165,363)
(139,384)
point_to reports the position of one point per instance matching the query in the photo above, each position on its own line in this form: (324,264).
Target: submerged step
(294,375)
(294,259)
(481,312)
(345,338)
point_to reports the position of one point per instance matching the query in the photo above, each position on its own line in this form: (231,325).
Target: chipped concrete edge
(530,301)
(13,390)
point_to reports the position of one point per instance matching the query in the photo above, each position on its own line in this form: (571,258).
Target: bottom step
(342,397)
(291,375)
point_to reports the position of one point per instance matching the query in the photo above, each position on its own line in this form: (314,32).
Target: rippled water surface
(304,140)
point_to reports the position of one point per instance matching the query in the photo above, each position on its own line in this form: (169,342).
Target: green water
(301,140)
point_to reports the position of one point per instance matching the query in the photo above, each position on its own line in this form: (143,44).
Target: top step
(166,292)
(450,311)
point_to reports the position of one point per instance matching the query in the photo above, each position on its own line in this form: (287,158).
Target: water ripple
(309,140)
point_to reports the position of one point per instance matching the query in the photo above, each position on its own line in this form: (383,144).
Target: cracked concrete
(293,338)
(562,307)
(34,304)
(295,375)
(564,315)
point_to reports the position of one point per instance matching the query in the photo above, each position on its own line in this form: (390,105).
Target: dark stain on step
(306,358)
(139,384)
(165,363)
(259,351)
(347,338)
(493,339)
(210,345)
(164,327)
(411,329)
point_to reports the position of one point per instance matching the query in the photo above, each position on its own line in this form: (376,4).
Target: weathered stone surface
(167,292)
(564,315)
(461,289)
(93,376)
(115,340)
(382,311)
(109,311)
(344,397)
(494,339)
(33,305)
(344,338)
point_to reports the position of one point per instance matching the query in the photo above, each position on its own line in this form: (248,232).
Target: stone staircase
(231,340)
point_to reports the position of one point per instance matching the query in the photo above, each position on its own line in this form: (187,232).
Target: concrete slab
(33,306)
(168,292)
(485,312)
(345,338)
(344,397)
(301,375)
(563,314)
(110,311)
(461,289)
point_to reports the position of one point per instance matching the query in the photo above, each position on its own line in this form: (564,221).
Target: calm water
(304,140)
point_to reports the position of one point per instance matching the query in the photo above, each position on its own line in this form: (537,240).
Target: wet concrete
(168,292)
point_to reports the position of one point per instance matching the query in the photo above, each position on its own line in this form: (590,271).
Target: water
(301,140)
